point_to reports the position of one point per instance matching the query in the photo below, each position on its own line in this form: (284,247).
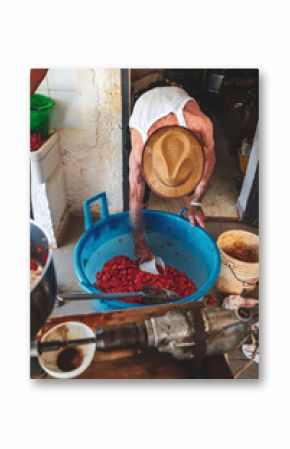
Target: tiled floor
(68,282)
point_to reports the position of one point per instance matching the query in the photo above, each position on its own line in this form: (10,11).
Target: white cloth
(155,104)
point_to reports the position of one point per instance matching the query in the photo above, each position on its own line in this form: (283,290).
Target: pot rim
(49,256)
(232,258)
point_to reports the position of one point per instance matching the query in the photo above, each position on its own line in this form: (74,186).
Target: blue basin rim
(89,287)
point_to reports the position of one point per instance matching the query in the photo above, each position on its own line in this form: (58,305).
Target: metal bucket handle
(101,197)
(242,281)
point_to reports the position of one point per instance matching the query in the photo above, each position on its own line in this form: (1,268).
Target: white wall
(87,116)
(48,195)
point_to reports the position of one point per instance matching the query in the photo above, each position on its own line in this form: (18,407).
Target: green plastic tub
(40,112)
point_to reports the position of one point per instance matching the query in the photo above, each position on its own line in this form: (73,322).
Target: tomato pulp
(122,274)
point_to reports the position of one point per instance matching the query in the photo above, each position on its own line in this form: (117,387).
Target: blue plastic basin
(186,248)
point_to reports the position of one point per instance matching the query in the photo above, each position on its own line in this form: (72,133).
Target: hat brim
(149,173)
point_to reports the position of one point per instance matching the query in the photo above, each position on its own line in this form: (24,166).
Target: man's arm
(209,161)
(137,190)
(202,127)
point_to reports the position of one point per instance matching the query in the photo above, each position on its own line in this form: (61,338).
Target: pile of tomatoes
(35,141)
(121,274)
(33,265)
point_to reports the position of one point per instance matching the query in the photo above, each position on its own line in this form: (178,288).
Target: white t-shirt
(155,104)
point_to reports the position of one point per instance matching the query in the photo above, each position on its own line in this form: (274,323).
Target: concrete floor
(66,278)
(68,282)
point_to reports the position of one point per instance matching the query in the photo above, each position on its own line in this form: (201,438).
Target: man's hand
(196,216)
(142,250)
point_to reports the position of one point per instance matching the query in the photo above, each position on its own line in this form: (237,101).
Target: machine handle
(103,209)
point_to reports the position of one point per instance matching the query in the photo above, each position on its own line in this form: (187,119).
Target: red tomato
(122,274)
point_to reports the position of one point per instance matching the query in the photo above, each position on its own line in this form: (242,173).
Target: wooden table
(137,364)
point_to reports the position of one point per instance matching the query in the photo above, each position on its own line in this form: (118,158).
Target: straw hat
(172,161)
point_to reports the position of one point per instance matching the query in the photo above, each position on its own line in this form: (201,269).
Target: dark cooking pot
(43,294)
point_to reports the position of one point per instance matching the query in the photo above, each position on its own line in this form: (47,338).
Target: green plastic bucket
(40,112)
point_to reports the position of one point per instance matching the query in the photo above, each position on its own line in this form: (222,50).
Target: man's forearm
(202,185)
(137,190)
(136,197)
(142,250)
(208,170)
(202,127)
